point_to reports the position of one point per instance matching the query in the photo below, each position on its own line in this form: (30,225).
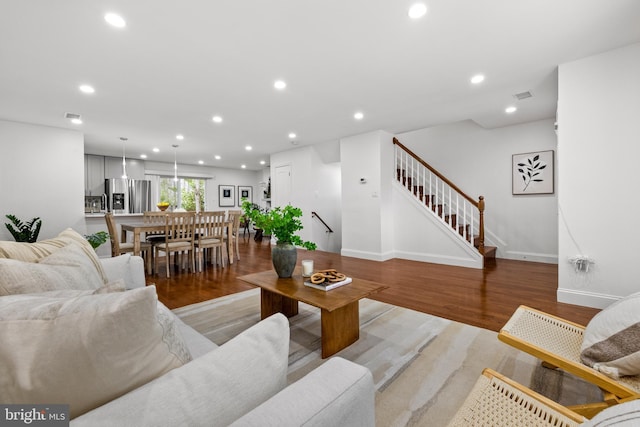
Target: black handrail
(329,230)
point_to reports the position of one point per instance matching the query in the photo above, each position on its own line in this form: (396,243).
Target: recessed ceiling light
(279,84)
(156,150)
(358,115)
(217,119)
(180,137)
(510,110)
(418,10)
(248,148)
(262,162)
(76,121)
(86,89)
(201,162)
(143,156)
(243,166)
(292,135)
(115,20)
(478,78)
(217,157)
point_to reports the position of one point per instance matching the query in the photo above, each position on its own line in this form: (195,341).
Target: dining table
(140,228)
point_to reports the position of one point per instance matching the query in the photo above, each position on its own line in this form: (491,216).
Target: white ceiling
(178,63)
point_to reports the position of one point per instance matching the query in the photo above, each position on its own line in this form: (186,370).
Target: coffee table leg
(340,328)
(271,303)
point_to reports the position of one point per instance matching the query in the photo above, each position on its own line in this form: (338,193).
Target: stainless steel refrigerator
(128,196)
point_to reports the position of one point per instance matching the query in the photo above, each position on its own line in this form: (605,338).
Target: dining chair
(210,235)
(119,248)
(178,239)
(235,217)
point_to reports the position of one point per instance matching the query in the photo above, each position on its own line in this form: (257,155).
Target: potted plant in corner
(283,223)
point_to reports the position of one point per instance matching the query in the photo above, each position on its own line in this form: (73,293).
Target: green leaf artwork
(531,171)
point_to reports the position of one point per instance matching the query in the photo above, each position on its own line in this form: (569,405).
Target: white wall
(599,131)
(367,208)
(41,175)
(315,186)
(479,161)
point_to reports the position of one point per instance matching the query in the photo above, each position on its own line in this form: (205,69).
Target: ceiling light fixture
(418,10)
(179,137)
(280,84)
(262,162)
(243,166)
(217,119)
(510,110)
(115,20)
(156,150)
(175,162)
(124,159)
(478,78)
(143,156)
(76,121)
(217,157)
(86,89)
(358,116)
(292,135)
(201,162)
(248,148)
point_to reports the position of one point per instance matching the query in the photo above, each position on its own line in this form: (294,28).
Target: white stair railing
(438,195)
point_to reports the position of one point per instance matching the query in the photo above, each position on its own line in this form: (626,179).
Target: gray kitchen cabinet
(93,175)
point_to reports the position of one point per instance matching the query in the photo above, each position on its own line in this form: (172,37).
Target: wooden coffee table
(339,307)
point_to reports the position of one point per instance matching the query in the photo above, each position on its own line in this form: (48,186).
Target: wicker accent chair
(496,400)
(179,238)
(557,343)
(210,235)
(119,248)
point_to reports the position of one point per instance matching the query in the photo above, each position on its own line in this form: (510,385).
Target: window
(186,193)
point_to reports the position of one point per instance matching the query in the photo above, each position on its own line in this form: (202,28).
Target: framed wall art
(245,192)
(532,173)
(226,196)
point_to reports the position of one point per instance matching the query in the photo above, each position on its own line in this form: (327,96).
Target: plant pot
(284,257)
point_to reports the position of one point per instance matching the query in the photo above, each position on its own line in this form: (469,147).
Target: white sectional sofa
(195,382)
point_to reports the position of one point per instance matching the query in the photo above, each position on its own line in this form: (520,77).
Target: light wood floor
(475,297)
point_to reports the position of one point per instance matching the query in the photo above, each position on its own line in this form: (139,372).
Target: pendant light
(124,160)
(175,162)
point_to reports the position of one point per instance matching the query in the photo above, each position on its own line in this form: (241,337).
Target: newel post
(481,234)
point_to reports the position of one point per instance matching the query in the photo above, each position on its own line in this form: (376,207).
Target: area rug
(423,366)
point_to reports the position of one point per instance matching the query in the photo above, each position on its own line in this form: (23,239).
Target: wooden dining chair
(210,235)
(119,248)
(179,239)
(235,217)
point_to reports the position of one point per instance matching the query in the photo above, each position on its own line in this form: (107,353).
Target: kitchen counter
(101,215)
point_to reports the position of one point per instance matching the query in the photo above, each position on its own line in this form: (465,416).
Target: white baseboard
(373,256)
(440,259)
(585,298)
(530,256)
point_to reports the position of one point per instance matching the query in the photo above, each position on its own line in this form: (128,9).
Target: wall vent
(523,95)
(71,116)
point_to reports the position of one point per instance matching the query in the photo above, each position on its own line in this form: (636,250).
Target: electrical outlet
(581,263)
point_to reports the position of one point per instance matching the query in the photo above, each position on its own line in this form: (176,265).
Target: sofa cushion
(85,350)
(32,252)
(66,268)
(611,342)
(212,390)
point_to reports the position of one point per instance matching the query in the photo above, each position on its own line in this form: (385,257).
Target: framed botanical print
(245,192)
(226,196)
(532,173)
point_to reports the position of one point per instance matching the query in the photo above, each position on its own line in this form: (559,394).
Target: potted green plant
(97,239)
(24,231)
(283,223)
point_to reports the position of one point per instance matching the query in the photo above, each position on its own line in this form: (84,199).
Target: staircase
(439,196)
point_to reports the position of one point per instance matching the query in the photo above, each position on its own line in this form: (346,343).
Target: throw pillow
(83,351)
(611,341)
(66,268)
(31,252)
